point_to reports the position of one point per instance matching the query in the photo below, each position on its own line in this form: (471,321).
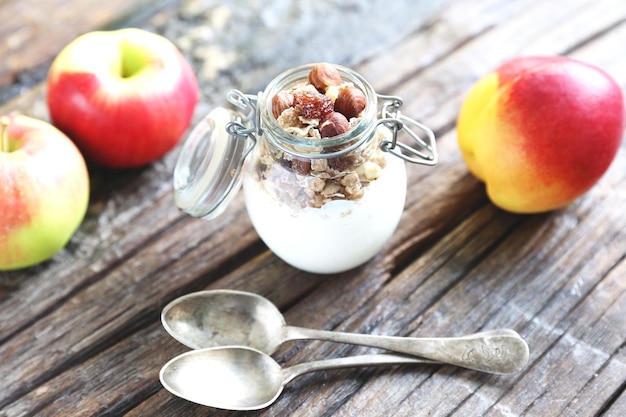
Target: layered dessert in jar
(319,189)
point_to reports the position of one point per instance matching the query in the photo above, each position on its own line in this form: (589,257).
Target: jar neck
(357,137)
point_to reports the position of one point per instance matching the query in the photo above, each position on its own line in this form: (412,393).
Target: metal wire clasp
(247,103)
(423,151)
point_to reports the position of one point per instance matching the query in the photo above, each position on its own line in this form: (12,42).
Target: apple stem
(4,139)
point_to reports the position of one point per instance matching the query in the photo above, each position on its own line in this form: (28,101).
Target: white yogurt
(338,236)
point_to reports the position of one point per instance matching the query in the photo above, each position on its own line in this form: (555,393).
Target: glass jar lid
(208,171)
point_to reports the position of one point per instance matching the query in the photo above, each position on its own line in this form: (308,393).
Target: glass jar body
(318,213)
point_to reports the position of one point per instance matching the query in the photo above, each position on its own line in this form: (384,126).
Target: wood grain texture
(33,33)
(80,334)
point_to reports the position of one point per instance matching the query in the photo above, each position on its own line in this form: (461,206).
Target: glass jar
(322,204)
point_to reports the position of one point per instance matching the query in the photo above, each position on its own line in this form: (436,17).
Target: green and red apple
(125,97)
(541,131)
(44,191)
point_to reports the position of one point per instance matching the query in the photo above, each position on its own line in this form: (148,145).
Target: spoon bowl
(224,317)
(232,378)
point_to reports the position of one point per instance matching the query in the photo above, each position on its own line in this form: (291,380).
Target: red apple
(44,191)
(541,131)
(125,97)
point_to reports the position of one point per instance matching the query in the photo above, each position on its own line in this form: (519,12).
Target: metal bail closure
(424,149)
(207,174)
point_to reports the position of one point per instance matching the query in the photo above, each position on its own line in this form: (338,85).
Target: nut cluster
(323,108)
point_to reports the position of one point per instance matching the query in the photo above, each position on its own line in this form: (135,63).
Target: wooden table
(80,334)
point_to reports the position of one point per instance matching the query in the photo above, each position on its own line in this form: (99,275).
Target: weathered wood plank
(597,338)
(448,32)
(617,408)
(457,264)
(121,299)
(127,370)
(30,39)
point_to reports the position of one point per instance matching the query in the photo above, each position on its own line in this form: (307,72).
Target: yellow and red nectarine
(541,131)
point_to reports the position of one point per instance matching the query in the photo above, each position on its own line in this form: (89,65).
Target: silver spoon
(242,378)
(226,317)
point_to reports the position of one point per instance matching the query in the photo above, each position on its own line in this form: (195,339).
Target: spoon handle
(499,351)
(350,362)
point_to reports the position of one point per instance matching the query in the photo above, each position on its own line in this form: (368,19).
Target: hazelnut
(324,75)
(350,101)
(333,125)
(281,102)
(343,163)
(301,166)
